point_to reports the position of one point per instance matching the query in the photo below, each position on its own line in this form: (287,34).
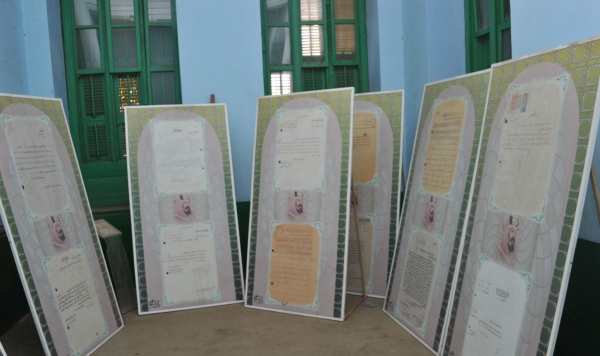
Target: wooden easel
(360,261)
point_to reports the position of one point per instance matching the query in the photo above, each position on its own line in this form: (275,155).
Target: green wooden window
(487,33)
(117,53)
(314,44)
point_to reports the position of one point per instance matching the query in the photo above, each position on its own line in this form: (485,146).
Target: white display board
(298,238)
(436,199)
(183,213)
(532,174)
(50,228)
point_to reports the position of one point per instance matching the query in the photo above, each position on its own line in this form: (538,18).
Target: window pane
(86,12)
(483,15)
(122,12)
(159,10)
(281,83)
(506,10)
(277,11)
(128,91)
(88,49)
(312,43)
(124,48)
(311,10)
(279,45)
(345,42)
(163,88)
(344,9)
(506,45)
(161,46)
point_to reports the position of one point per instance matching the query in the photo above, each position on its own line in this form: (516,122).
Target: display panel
(532,174)
(50,226)
(183,207)
(298,238)
(437,197)
(376,161)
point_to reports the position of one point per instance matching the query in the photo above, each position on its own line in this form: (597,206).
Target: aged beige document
(417,282)
(364,146)
(527,147)
(443,147)
(300,153)
(76,298)
(294,264)
(179,156)
(189,262)
(35,156)
(365,227)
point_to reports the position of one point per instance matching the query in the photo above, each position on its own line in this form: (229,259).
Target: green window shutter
(95,130)
(97,142)
(487,24)
(317,44)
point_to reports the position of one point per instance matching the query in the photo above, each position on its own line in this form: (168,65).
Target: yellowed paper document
(364,147)
(179,156)
(189,262)
(294,264)
(76,298)
(527,147)
(34,153)
(417,282)
(443,147)
(300,155)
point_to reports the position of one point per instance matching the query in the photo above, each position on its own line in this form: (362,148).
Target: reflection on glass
(343,9)
(506,45)
(506,10)
(279,45)
(122,12)
(124,48)
(86,12)
(161,46)
(312,43)
(483,14)
(159,11)
(281,83)
(163,88)
(88,49)
(345,42)
(311,10)
(277,11)
(127,88)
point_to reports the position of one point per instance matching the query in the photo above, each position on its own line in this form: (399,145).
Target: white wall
(220,52)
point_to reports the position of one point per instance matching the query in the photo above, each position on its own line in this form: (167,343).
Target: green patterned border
(392,103)
(53,109)
(477,85)
(340,102)
(137,119)
(582,60)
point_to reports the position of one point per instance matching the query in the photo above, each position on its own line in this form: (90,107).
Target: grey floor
(235,330)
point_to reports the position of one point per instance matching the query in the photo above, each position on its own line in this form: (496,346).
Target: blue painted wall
(13,69)
(537,25)
(220,50)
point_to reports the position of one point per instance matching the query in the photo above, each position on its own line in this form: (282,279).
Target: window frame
(497,24)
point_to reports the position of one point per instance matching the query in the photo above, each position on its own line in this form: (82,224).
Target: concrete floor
(235,330)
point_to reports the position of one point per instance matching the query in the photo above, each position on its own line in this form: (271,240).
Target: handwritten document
(444,144)
(36,159)
(189,262)
(179,156)
(300,153)
(496,314)
(526,154)
(415,292)
(364,146)
(365,227)
(76,298)
(294,264)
